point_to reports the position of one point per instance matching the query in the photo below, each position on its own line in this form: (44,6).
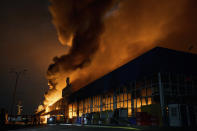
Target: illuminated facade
(157,88)
(120,98)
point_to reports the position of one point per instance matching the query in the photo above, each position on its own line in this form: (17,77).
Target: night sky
(92,31)
(28,40)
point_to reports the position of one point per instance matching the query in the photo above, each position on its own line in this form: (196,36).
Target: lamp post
(15,86)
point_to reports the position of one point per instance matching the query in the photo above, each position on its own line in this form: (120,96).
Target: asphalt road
(100,128)
(77,128)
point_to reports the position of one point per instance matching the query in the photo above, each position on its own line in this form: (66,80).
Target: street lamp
(17,73)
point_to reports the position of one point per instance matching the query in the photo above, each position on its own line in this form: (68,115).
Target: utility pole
(15,86)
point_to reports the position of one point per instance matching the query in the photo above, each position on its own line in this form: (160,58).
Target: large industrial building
(157,88)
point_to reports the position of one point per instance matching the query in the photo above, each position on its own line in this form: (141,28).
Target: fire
(47,109)
(40,108)
(44,118)
(54,95)
(131,28)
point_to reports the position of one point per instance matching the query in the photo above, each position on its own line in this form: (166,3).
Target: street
(64,127)
(76,128)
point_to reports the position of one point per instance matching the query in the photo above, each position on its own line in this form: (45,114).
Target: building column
(83,106)
(132,100)
(101,104)
(114,100)
(162,103)
(77,108)
(91,104)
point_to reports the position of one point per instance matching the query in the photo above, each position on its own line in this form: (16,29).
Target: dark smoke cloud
(79,25)
(82,20)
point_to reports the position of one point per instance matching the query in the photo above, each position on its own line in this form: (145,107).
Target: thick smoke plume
(79,25)
(131,28)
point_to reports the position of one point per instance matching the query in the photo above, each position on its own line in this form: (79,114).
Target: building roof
(156,60)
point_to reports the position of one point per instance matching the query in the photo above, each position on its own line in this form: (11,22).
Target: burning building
(113,32)
(156,88)
(101,35)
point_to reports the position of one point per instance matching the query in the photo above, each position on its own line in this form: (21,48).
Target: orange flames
(131,28)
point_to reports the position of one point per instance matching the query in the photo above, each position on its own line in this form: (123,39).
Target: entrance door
(184,115)
(174,115)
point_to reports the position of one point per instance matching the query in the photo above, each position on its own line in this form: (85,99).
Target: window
(122,100)
(149,100)
(165,78)
(129,108)
(80,108)
(96,104)
(174,89)
(138,103)
(173,112)
(149,91)
(87,105)
(75,109)
(143,101)
(72,110)
(107,102)
(143,92)
(129,105)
